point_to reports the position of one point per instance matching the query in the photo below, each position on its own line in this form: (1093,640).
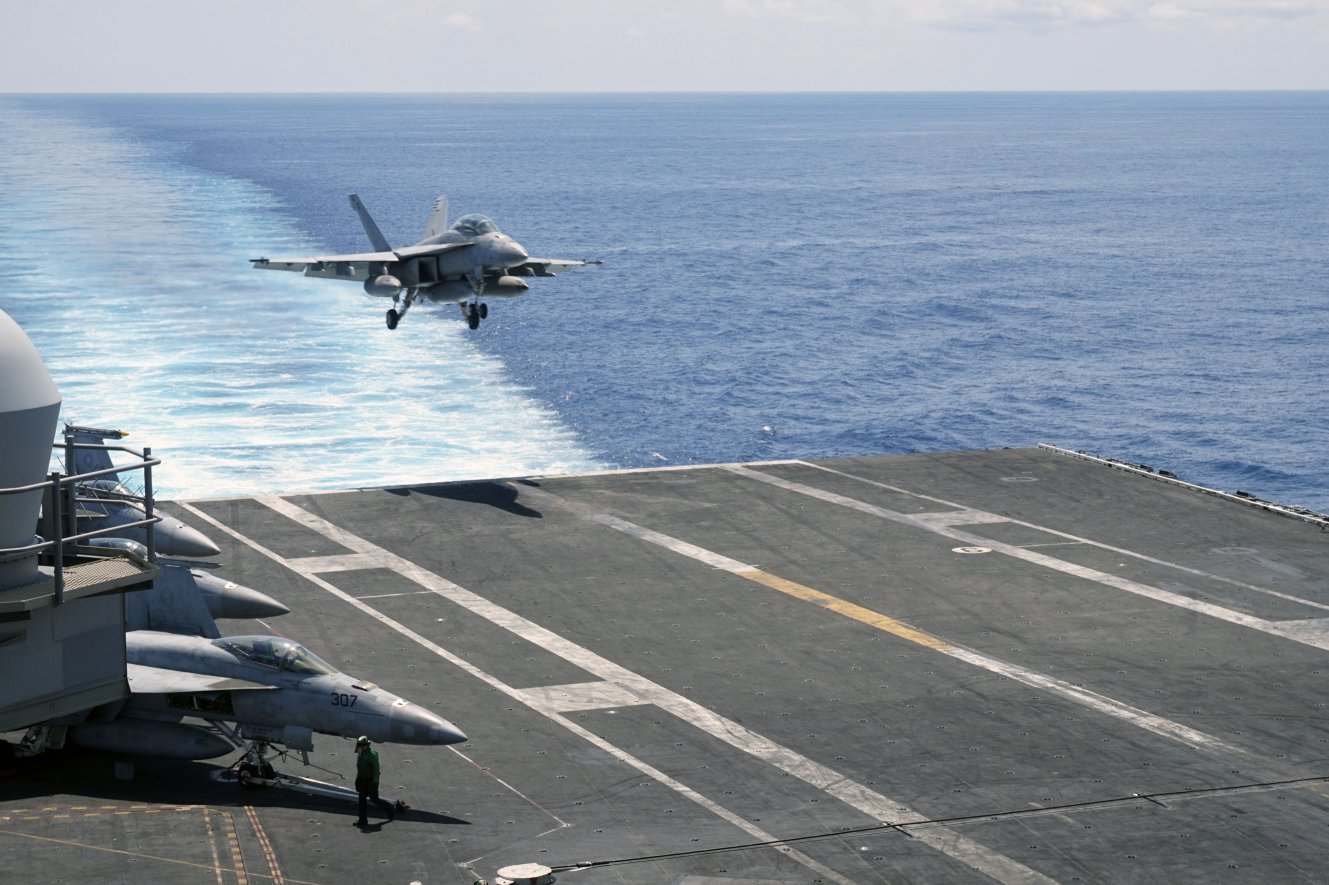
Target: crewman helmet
(363,741)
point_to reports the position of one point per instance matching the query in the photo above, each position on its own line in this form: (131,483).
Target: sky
(663,46)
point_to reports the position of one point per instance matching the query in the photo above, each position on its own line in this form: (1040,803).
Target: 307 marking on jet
(462,264)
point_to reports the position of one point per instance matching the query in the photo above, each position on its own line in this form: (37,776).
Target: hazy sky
(625,45)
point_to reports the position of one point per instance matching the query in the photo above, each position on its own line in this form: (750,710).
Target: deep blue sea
(1142,276)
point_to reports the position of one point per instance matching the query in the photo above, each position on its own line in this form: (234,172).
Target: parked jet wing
(156,680)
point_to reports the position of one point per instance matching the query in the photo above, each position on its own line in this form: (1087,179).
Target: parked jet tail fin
(91,460)
(375,235)
(173,604)
(438,219)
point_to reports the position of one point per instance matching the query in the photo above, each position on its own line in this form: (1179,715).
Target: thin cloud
(461,21)
(811,11)
(1049,14)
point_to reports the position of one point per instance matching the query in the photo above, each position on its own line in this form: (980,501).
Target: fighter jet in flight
(462,263)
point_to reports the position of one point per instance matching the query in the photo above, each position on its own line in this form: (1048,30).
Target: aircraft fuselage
(328,702)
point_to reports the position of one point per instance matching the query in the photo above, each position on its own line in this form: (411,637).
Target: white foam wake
(129,273)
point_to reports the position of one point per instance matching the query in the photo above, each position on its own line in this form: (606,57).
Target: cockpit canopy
(276,652)
(474,225)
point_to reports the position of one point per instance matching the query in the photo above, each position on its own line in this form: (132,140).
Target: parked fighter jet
(463,263)
(262,688)
(185,600)
(266,689)
(105,501)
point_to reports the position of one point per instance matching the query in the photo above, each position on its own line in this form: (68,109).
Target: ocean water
(1142,276)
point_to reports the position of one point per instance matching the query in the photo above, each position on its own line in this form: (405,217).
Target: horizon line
(648,92)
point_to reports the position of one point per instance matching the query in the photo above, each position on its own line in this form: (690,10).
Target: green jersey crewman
(366,780)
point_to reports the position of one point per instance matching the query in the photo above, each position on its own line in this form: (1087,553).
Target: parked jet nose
(412,724)
(174,538)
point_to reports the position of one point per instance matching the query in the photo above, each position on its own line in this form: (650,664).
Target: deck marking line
(1232,582)
(237,856)
(1094,700)
(582,696)
(846,608)
(139,854)
(1140,718)
(342,562)
(1166,597)
(264,844)
(409,569)
(856,795)
(212,845)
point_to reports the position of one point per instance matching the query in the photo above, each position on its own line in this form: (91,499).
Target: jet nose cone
(177,539)
(514,253)
(412,724)
(227,599)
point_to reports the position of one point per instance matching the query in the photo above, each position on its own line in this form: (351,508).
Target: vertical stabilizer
(90,460)
(375,235)
(438,219)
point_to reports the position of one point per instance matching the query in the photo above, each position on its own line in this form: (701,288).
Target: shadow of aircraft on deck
(495,494)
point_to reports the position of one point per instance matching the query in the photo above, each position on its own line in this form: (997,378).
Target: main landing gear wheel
(392,318)
(250,771)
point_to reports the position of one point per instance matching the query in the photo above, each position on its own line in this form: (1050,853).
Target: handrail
(44,545)
(58,483)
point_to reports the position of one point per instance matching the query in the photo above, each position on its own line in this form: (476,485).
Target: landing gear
(394,314)
(252,775)
(473,313)
(254,771)
(473,310)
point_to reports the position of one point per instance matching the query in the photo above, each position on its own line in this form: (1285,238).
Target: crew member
(366,780)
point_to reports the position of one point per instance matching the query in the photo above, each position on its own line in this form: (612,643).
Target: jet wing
(548,267)
(351,267)
(155,680)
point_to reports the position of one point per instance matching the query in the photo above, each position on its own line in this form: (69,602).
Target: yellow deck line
(845,608)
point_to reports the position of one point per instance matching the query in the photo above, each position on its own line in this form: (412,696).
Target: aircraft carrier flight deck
(1014,665)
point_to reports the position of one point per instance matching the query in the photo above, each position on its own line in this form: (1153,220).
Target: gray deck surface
(1007,665)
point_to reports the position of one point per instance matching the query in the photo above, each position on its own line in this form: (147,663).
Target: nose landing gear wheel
(473,319)
(484,311)
(392,318)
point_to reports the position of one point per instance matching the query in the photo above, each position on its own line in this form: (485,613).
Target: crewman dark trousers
(369,790)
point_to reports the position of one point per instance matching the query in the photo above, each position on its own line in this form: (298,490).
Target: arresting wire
(905,826)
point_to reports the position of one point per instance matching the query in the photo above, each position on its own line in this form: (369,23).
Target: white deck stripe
(1218,612)
(856,795)
(345,562)
(1140,718)
(963,512)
